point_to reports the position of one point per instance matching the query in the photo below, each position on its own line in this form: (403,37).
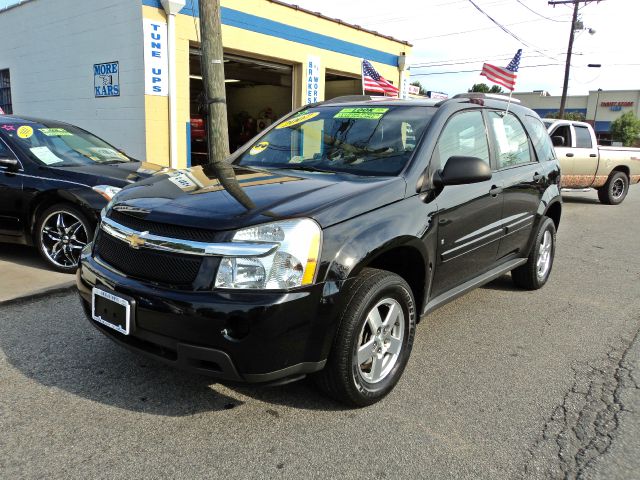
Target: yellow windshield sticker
(258,148)
(55,132)
(25,131)
(299,118)
(366,113)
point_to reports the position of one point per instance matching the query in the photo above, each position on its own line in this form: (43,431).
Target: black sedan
(54,180)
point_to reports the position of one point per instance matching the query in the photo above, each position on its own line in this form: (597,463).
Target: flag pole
(509,103)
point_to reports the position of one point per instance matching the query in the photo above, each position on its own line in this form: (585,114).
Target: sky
(450,37)
(446,33)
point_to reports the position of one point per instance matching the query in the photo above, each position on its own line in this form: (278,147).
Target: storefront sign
(156,60)
(106,79)
(414,89)
(313,79)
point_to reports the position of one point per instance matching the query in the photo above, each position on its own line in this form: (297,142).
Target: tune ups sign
(106,79)
(156,58)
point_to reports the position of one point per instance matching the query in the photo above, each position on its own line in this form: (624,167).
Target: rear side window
(512,143)
(583,137)
(540,138)
(463,135)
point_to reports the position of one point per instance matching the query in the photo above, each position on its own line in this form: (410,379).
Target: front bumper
(249,337)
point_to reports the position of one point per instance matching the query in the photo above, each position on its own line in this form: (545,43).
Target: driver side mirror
(558,140)
(462,170)
(11,163)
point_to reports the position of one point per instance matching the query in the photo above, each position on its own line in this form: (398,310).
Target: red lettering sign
(616,104)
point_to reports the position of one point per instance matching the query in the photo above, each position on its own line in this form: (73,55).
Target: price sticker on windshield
(299,118)
(364,113)
(55,132)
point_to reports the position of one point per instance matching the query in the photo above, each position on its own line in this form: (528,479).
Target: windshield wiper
(306,168)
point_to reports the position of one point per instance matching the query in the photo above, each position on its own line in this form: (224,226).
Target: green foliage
(626,129)
(423,91)
(484,88)
(575,116)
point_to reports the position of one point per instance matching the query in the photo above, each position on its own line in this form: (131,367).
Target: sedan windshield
(60,144)
(358,140)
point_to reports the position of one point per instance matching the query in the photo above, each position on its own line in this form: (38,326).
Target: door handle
(569,154)
(537,177)
(495,191)
(593,155)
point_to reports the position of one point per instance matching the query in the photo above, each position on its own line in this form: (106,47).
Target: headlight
(107,191)
(293,264)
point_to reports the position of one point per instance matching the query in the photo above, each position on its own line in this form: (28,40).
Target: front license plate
(112,310)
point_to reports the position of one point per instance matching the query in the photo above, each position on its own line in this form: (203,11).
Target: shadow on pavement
(503,283)
(50,342)
(21,255)
(587,200)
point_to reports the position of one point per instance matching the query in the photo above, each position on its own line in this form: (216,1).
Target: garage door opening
(339,84)
(258,93)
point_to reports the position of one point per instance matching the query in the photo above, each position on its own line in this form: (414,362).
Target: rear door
(522,177)
(585,160)
(468,215)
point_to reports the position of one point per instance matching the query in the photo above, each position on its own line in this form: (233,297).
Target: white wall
(50,47)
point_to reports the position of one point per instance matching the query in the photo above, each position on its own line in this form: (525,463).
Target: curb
(44,292)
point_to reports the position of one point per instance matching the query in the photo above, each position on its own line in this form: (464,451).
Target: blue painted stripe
(602,126)
(246,21)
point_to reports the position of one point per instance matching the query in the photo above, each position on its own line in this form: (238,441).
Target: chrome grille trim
(148,240)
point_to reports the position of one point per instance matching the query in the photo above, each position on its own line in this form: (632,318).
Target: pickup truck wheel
(60,234)
(535,273)
(616,188)
(373,342)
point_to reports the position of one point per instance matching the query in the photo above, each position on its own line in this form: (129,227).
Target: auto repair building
(129,70)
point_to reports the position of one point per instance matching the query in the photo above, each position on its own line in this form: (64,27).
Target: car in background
(54,180)
(585,164)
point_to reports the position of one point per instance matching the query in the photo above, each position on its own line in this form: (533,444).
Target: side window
(540,138)
(512,143)
(563,131)
(4,151)
(463,135)
(583,137)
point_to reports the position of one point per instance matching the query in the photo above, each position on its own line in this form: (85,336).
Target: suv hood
(226,197)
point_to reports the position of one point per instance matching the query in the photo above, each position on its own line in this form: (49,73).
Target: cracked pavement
(501,384)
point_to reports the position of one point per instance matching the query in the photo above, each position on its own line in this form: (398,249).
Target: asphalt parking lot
(501,384)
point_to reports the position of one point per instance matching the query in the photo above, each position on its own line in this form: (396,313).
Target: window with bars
(5,91)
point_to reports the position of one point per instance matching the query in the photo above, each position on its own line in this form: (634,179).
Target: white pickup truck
(585,164)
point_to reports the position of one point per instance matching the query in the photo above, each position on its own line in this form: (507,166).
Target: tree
(423,91)
(484,88)
(626,129)
(575,116)
(213,75)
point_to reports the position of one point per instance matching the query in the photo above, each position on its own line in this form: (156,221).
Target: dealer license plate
(112,310)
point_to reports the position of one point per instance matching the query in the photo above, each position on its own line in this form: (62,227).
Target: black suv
(316,248)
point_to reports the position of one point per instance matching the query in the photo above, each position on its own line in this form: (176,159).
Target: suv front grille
(144,264)
(163,229)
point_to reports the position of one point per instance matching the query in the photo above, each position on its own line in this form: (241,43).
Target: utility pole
(213,80)
(565,85)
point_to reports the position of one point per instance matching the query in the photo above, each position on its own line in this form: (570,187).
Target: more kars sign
(313,79)
(156,58)
(106,79)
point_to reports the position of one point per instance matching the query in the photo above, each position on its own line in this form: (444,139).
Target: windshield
(61,145)
(358,140)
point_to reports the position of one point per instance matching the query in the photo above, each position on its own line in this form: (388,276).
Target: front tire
(373,342)
(60,234)
(615,190)
(535,273)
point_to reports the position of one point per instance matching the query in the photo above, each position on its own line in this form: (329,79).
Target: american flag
(503,76)
(372,81)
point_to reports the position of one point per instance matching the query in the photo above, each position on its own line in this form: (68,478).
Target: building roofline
(338,21)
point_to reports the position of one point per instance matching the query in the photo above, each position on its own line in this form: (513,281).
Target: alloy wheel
(380,341)
(617,189)
(544,255)
(63,236)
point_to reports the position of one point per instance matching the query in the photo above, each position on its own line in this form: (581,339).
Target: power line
(539,14)
(477,70)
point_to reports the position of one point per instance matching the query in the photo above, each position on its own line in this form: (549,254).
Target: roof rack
(488,96)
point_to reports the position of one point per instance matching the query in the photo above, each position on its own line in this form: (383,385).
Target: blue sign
(106,79)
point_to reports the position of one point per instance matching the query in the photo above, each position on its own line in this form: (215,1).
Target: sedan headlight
(107,191)
(293,264)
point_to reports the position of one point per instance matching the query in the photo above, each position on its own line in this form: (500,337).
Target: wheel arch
(554,212)
(51,197)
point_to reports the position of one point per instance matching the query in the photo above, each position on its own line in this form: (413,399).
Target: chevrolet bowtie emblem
(136,240)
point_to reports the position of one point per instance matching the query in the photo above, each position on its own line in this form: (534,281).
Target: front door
(468,215)
(585,159)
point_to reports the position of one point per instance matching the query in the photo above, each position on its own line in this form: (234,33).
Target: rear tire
(373,341)
(535,273)
(615,190)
